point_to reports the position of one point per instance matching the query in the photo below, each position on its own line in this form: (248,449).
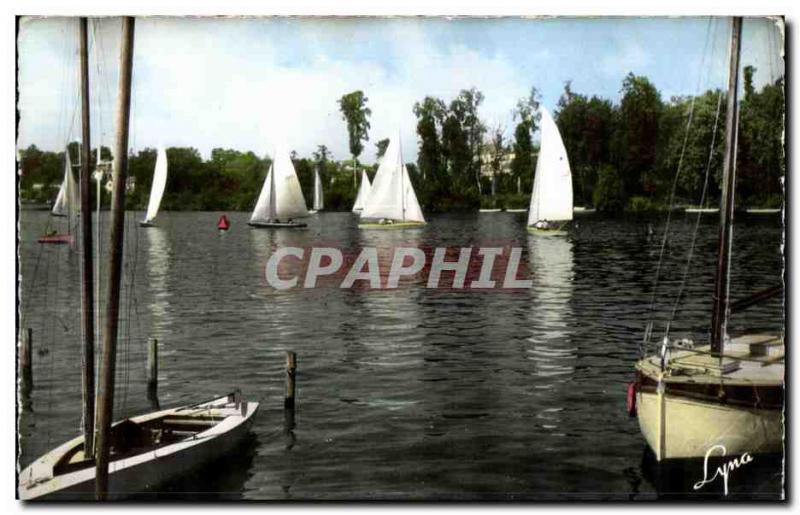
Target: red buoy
(223,224)
(631,399)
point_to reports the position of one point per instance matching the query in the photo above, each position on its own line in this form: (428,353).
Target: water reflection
(550,346)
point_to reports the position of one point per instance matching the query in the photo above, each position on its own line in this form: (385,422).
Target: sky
(257,83)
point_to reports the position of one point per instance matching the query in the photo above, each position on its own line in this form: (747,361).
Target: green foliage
(609,194)
(622,156)
(641,205)
(506,201)
(761,162)
(355,112)
(637,131)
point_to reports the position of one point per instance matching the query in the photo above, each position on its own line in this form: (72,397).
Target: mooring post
(291,367)
(152,367)
(26,360)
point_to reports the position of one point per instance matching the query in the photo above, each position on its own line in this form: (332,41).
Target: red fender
(631,398)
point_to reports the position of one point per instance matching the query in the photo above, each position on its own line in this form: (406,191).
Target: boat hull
(145,223)
(546,232)
(277,225)
(688,428)
(140,473)
(395,225)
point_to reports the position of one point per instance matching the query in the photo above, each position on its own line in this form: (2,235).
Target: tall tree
(497,155)
(523,149)
(639,113)
(355,112)
(430,115)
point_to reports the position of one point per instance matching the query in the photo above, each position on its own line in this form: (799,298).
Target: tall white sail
(67,200)
(319,202)
(363,192)
(159,183)
(392,196)
(551,199)
(281,197)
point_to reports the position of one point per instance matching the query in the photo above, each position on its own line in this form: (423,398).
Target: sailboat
(363,192)
(140,453)
(319,202)
(157,189)
(690,398)
(281,199)
(392,201)
(551,201)
(66,205)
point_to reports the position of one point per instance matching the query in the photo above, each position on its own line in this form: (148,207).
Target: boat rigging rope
(646,340)
(703,202)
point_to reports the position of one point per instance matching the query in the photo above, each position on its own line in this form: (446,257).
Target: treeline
(624,156)
(627,156)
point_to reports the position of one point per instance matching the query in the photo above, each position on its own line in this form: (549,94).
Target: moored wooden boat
(146,451)
(699,400)
(726,396)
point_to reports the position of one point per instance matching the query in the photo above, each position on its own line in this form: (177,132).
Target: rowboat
(147,451)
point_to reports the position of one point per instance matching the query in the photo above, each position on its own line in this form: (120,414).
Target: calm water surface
(404,394)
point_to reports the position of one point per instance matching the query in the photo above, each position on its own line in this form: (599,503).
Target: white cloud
(209,83)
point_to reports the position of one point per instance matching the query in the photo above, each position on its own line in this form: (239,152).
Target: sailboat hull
(145,223)
(691,427)
(394,225)
(137,473)
(547,232)
(700,400)
(277,225)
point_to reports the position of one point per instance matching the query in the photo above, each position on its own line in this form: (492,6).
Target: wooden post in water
(291,367)
(26,361)
(105,397)
(152,367)
(87,268)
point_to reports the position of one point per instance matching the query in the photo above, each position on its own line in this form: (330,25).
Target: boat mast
(719,315)
(87,283)
(120,167)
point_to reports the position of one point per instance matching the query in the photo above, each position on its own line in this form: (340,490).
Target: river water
(408,394)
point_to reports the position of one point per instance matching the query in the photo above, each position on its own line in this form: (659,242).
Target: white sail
(319,202)
(67,200)
(281,197)
(159,183)
(392,196)
(551,199)
(363,192)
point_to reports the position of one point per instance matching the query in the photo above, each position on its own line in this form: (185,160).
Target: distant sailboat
(281,198)
(551,200)
(319,202)
(66,203)
(157,190)
(392,201)
(363,192)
